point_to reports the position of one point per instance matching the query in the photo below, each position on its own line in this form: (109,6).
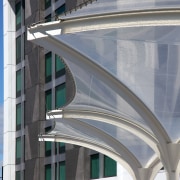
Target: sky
(1,84)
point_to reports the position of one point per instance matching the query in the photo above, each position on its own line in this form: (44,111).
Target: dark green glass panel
(18,116)
(48,98)
(59,67)
(47,3)
(61,147)
(48,172)
(60,96)
(110,168)
(62,171)
(18,49)
(48,67)
(94,166)
(48,148)
(48,144)
(18,175)
(18,15)
(56,175)
(18,83)
(60,10)
(48,18)
(18,150)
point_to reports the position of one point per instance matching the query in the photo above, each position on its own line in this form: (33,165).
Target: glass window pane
(18,116)
(48,67)
(48,172)
(18,83)
(56,175)
(48,18)
(18,49)
(47,148)
(47,3)
(18,15)
(62,171)
(18,175)
(59,66)
(60,96)
(60,10)
(48,144)
(48,99)
(61,147)
(18,150)
(110,168)
(94,166)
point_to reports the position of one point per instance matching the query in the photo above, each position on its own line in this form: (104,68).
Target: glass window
(18,116)
(60,95)
(110,168)
(61,147)
(18,83)
(48,99)
(60,10)
(18,15)
(48,67)
(59,66)
(94,166)
(48,172)
(47,3)
(18,150)
(48,144)
(48,18)
(18,49)
(62,170)
(18,175)
(56,175)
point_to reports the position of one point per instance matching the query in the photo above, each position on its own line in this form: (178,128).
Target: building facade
(36,81)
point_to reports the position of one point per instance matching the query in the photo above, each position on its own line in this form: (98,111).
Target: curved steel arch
(150,17)
(114,148)
(112,119)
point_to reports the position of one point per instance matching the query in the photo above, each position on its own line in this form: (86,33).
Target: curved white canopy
(124,58)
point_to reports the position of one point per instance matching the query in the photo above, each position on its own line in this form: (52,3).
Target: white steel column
(9,90)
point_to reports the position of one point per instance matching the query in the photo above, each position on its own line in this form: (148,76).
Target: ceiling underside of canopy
(127,97)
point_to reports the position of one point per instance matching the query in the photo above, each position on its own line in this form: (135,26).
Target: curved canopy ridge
(110,138)
(132,72)
(106,6)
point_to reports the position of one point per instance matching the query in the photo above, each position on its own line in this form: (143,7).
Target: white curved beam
(113,119)
(151,17)
(90,145)
(103,140)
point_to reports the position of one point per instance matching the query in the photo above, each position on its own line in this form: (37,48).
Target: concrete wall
(34,92)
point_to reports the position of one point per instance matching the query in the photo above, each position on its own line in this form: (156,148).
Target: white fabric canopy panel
(127,81)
